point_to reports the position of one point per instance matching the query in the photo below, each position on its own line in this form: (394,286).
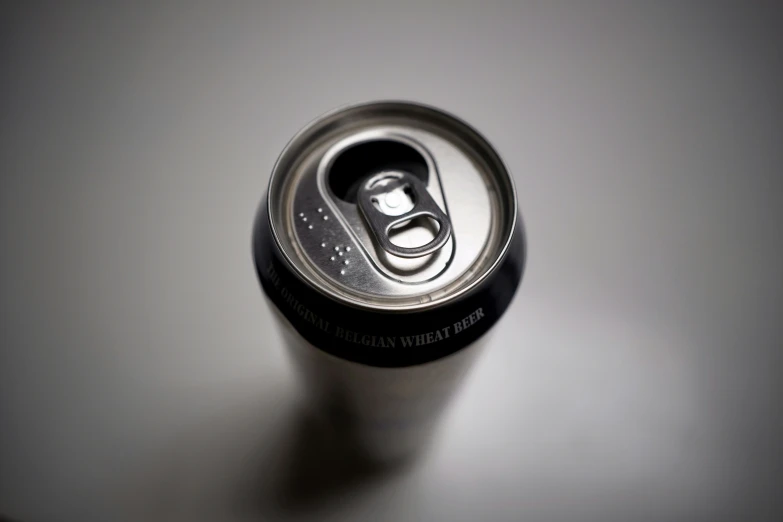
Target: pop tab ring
(423,206)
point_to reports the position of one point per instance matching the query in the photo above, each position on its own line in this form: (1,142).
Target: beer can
(390,243)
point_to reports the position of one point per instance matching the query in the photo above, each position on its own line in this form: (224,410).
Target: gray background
(634,377)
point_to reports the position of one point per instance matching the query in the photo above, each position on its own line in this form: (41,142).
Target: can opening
(359,161)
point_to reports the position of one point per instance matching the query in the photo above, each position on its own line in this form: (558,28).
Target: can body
(384,414)
(383,325)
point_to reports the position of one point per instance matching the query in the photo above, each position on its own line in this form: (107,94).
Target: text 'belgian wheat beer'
(390,243)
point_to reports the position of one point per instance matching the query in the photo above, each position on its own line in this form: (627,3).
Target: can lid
(390,208)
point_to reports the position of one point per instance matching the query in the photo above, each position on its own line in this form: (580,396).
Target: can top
(391,206)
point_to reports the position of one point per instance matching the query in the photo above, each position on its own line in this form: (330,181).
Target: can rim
(310,282)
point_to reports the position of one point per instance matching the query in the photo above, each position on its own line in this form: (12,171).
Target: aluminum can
(389,243)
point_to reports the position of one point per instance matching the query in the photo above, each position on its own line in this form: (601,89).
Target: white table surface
(636,376)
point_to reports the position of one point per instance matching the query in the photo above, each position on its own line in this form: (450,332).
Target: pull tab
(389,184)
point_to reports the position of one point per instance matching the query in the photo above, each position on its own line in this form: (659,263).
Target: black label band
(378,338)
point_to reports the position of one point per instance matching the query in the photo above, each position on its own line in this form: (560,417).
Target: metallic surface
(379,198)
(637,377)
(404,270)
(387,415)
(342,184)
(465,173)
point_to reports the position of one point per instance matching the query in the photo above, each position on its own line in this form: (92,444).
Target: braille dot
(339,253)
(332,258)
(301,214)
(320,209)
(323,245)
(326,218)
(346,261)
(347,249)
(310,227)
(304,219)
(337,248)
(342,272)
